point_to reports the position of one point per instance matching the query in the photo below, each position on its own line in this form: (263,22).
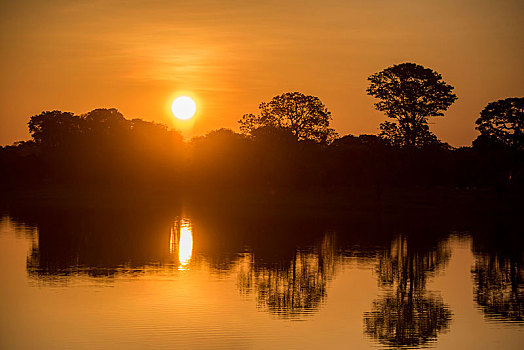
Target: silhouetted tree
(394,134)
(304,115)
(53,129)
(105,121)
(102,147)
(501,142)
(502,122)
(219,159)
(19,165)
(410,94)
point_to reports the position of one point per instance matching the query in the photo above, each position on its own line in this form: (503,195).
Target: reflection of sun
(183,107)
(185,246)
(181,242)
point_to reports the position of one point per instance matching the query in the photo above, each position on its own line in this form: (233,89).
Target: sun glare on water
(185,248)
(181,242)
(183,107)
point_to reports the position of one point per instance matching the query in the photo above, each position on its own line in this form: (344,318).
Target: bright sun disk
(183,107)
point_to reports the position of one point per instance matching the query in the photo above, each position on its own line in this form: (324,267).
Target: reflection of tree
(407,320)
(407,315)
(499,286)
(98,244)
(498,273)
(294,289)
(404,265)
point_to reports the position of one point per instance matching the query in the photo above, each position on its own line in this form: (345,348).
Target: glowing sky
(136,55)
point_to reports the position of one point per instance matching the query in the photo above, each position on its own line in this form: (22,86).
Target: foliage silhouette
(410,94)
(396,136)
(53,129)
(103,150)
(501,142)
(304,116)
(102,147)
(220,158)
(502,122)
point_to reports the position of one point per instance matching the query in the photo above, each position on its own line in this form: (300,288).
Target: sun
(183,107)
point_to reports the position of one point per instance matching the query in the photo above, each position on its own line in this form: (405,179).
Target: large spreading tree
(410,93)
(502,123)
(304,116)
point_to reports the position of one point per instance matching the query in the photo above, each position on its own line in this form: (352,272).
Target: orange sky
(136,55)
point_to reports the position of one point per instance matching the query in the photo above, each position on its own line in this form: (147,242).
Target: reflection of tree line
(285,281)
(407,314)
(97,244)
(292,289)
(499,276)
(499,287)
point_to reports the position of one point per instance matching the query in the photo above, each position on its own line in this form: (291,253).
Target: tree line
(289,144)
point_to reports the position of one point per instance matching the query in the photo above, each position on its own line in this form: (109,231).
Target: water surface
(201,278)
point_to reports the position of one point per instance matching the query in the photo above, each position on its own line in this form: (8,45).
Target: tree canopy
(502,122)
(53,128)
(410,93)
(304,116)
(102,146)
